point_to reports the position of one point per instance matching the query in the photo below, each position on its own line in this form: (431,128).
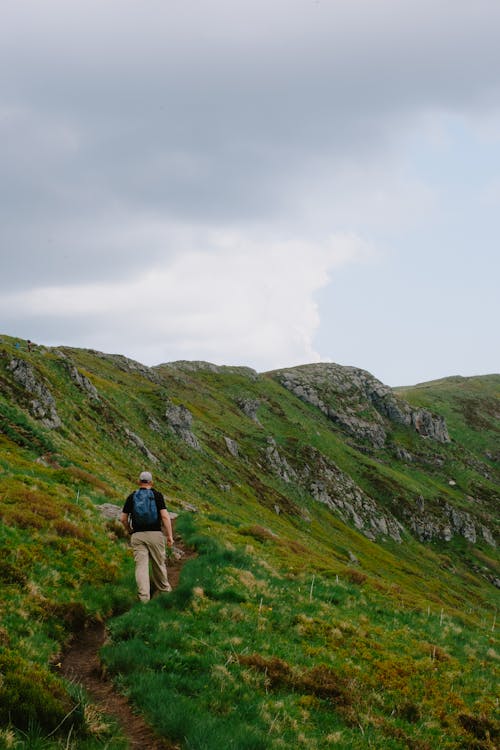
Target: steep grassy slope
(471,407)
(344,590)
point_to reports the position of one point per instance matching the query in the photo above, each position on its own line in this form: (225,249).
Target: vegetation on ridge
(298,624)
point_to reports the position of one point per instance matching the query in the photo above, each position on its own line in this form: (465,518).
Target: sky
(263,182)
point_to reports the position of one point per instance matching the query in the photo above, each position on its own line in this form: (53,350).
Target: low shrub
(30,694)
(355,576)
(482,727)
(10,573)
(66,528)
(259,533)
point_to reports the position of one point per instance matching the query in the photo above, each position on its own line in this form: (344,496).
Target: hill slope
(345,588)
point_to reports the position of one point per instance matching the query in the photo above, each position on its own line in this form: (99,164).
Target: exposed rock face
(278,463)
(328,484)
(128,365)
(139,442)
(358,402)
(331,486)
(43,405)
(429,524)
(429,425)
(180,421)
(83,382)
(250,406)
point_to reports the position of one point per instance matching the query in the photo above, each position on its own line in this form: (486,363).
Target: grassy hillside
(344,591)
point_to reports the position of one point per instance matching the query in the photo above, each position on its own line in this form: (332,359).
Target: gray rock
(488,536)
(128,365)
(358,402)
(200,366)
(110,511)
(42,405)
(187,506)
(250,406)
(445,522)
(154,425)
(403,454)
(495,457)
(139,443)
(83,382)
(329,485)
(278,464)
(180,420)
(430,425)
(232,446)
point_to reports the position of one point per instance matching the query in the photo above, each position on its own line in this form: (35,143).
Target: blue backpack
(145,511)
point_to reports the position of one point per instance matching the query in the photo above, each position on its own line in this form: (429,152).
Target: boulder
(42,404)
(232,446)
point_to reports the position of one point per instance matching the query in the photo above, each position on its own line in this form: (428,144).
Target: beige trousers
(149,546)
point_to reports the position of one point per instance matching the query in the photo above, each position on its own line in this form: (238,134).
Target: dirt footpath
(81,664)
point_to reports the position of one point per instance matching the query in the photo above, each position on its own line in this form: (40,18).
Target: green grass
(289,629)
(243,651)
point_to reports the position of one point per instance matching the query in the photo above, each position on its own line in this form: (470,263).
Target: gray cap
(145,476)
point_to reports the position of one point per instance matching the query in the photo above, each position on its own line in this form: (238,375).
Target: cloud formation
(141,133)
(254,303)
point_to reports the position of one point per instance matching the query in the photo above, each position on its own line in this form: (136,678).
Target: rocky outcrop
(430,523)
(322,479)
(180,421)
(232,446)
(128,365)
(329,485)
(42,405)
(358,403)
(139,443)
(250,407)
(82,382)
(200,366)
(278,463)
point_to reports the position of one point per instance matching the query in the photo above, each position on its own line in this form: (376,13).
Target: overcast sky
(255,182)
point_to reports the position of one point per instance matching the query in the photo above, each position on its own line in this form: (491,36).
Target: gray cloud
(206,110)
(124,122)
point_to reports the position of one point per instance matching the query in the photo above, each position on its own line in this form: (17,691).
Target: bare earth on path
(81,664)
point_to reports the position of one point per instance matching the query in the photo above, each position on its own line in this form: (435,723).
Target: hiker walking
(144,515)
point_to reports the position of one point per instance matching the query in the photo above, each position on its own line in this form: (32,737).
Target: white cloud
(236,301)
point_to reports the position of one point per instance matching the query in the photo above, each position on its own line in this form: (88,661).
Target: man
(144,516)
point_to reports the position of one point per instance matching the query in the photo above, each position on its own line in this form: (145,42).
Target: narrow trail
(81,664)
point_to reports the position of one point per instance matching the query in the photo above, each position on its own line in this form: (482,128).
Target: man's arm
(167,526)
(124,520)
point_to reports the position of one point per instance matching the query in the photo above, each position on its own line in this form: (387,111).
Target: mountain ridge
(317,470)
